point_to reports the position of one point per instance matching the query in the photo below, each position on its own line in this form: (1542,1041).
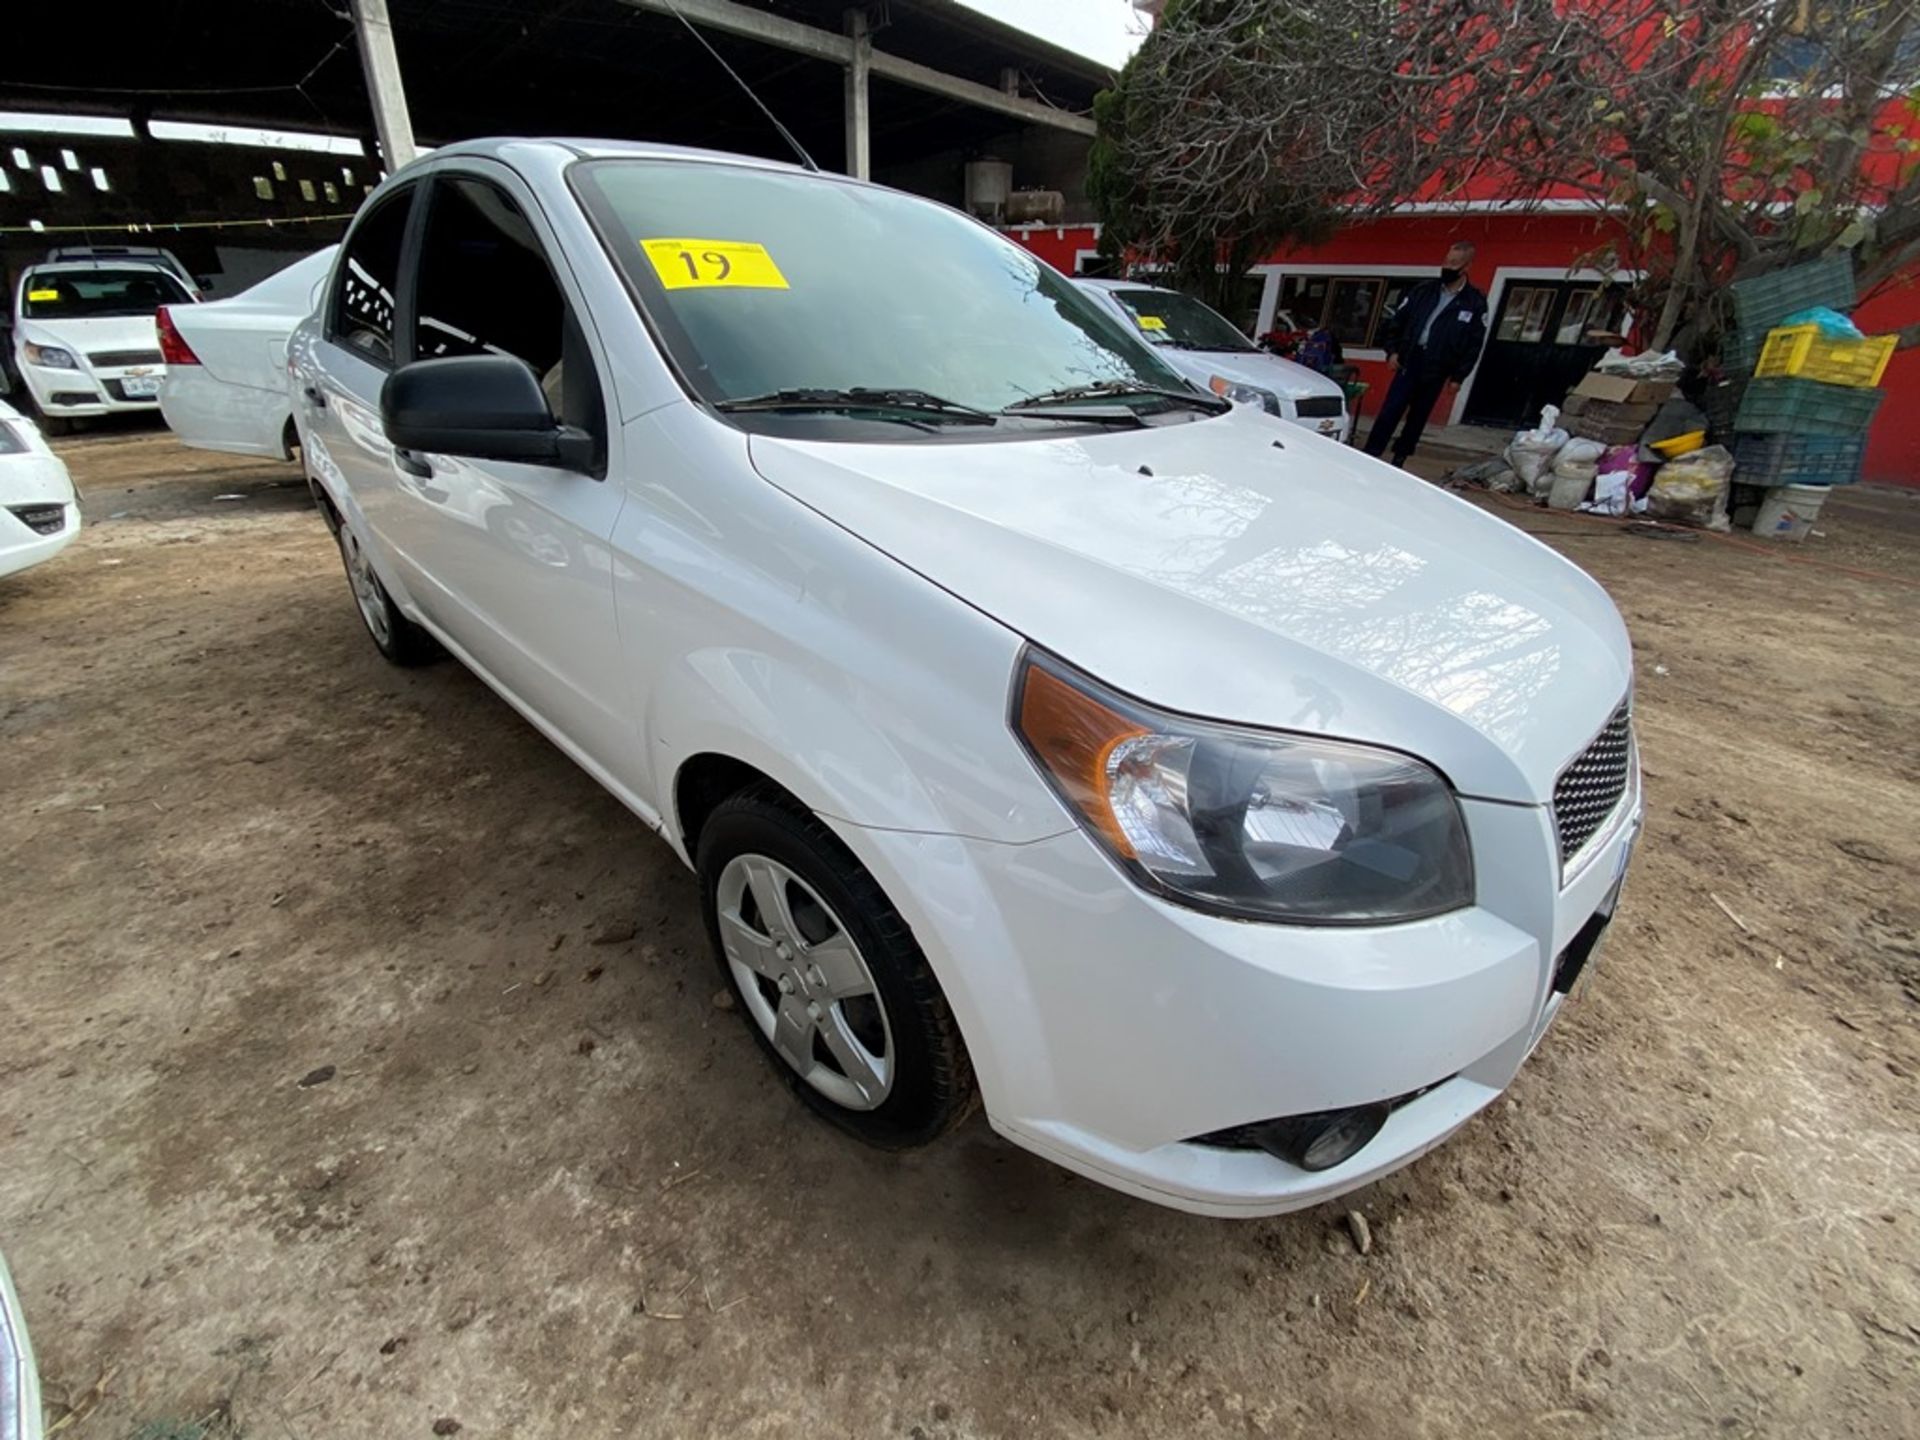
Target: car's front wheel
(399,639)
(830,979)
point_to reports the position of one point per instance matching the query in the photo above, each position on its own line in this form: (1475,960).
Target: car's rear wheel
(398,638)
(829,978)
